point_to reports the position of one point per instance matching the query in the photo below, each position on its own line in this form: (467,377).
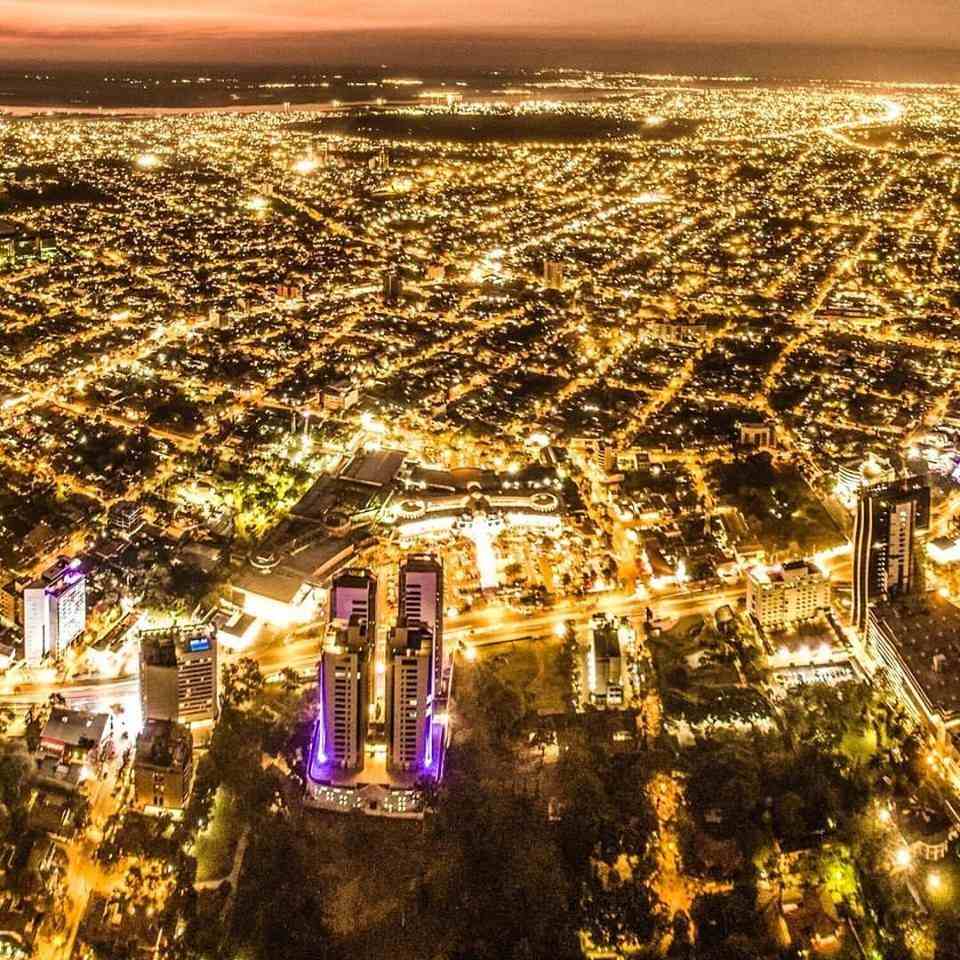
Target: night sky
(175,29)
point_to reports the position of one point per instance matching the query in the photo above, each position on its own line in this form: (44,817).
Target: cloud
(71,29)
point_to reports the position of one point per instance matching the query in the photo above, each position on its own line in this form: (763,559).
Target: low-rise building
(75,735)
(113,926)
(605,668)
(917,641)
(340,395)
(19,925)
(944,550)
(125,518)
(756,434)
(163,766)
(926,825)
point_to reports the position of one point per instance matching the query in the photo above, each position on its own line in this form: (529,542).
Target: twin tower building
(389,693)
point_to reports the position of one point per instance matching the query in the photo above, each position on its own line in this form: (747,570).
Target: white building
(408,698)
(605,667)
(756,434)
(944,550)
(786,593)
(344,684)
(421,601)
(54,610)
(353,593)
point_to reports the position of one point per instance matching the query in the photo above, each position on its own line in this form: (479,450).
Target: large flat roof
(275,586)
(927,635)
(376,468)
(75,727)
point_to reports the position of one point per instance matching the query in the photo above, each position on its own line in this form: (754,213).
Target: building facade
(54,610)
(353,593)
(786,593)
(408,685)
(756,434)
(344,689)
(179,674)
(421,601)
(891,521)
(125,518)
(163,766)
(553,278)
(605,664)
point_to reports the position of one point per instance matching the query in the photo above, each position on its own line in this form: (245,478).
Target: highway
(494,624)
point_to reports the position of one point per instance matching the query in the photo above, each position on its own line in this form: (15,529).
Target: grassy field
(217,844)
(532,666)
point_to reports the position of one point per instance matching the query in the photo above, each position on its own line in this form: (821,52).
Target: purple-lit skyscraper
(344,685)
(408,700)
(353,593)
(421,601)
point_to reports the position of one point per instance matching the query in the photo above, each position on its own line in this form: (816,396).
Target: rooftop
(163,743)
(927,635)
(159,647)
(606,638)
(378,468)
(76,728)
(785,572)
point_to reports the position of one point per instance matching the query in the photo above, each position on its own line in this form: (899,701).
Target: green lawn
(860,747)
(532,666)
(216,845)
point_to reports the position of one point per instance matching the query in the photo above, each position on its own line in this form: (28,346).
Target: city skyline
(505,513)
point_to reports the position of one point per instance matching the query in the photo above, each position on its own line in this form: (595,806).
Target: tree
(948,939)
(497,886)
(241,681)
(7,717)
(681,943)
(788,816)
(499,714)
(282,893)
(618,913)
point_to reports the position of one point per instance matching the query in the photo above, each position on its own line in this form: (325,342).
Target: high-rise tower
(421,601)
(887,542)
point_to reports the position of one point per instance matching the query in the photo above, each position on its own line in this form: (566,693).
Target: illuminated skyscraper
(421,601)
(179,674)
(344,685)
(54,610)
(353,593)
(887,542)
(408,698)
